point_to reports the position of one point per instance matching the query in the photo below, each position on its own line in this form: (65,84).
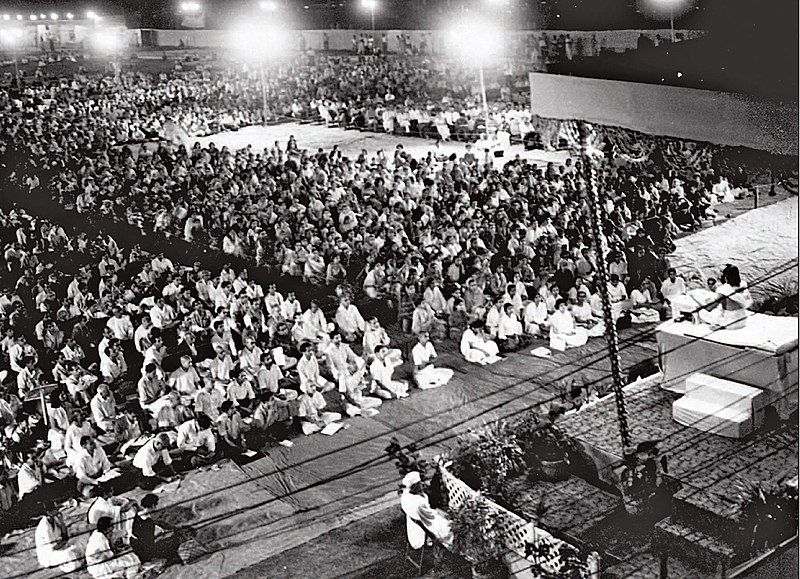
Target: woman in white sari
(425,373)
(563,331)
(476,347)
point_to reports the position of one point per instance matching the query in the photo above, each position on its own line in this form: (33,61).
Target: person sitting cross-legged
(196,442)
(102,562)
(52,548)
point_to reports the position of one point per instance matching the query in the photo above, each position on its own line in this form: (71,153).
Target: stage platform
(763,355)
(706,469)
(352,142)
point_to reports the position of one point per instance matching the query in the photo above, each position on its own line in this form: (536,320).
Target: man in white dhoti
(51,537)
(476,347)
(582,313)
(375,336)
(426,374)
(535,316)
(101,560)
(729,312)
(563,332)
(344,365)
(421,516)
(383,383)
(674,291)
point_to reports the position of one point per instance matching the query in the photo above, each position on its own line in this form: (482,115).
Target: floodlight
(369,4)
(475,41)
(34,17)
(6,16)
(42,16)
(53,16)
(268,5)
(106,41)
(19,16)
(70,15)
(191,7)
(91,15)
(261,40)
(10,36)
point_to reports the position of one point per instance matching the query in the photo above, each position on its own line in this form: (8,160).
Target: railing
(780,561)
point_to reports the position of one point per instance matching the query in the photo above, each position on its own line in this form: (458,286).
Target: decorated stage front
(763,355)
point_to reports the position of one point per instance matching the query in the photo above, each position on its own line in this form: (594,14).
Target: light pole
(476,43)
(483,98)
(11,38)
(370,5)
(261,41)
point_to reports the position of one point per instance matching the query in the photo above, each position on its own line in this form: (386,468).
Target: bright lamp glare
(34,17)
(6,16)
(191,7)
(261,40)
(53,16)
(70,15)
(19,16)
(475,41)
(268,5)
(91,15)
(106,41)
(10,36)
(369,4)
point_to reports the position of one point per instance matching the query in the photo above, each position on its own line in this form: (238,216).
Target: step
(692,545)
(688,508)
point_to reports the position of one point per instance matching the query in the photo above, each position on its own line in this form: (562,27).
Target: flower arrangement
(478,537)
(768,514)
(486,458)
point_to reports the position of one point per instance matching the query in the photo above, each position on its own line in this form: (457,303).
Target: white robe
(428,376)
(478,350)
(47,537)
(563,332)
(103,563)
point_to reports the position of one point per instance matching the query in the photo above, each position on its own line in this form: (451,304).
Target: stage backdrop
(700,115)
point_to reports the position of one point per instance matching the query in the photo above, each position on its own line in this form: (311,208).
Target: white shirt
(349,319)
(147,457)
(28,480)
(670,289)
(122,327)
(88,466)
(617,293)
(191,437)
(422,355)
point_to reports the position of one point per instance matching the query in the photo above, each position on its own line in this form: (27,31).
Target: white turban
(411,479)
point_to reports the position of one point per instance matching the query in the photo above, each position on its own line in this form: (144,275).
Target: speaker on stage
(532,140)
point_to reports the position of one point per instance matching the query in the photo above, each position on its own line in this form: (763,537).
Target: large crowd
(123,369)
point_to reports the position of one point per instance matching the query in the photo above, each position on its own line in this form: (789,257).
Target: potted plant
(486,458)
(768,514)
(547,448)
(477,536)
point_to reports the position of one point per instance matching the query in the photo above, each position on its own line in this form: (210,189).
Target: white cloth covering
(478,350)
(103,563)
(48,536)
(428,376)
